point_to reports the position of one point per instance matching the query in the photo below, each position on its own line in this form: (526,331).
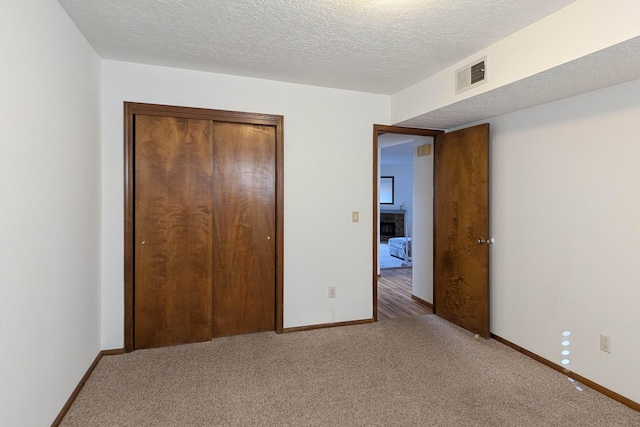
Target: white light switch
(355,216)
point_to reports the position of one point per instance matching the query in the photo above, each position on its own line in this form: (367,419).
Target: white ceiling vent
(471,75)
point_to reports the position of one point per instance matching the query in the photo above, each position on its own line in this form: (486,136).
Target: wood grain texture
(131,111)
(375,235)
(461,215)
(422,302)
(327,325)
(129,213)
(278,124)
(244,204)
(395,297)
(382,129)
(173,226)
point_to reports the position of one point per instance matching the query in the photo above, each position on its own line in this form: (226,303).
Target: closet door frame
(131,109)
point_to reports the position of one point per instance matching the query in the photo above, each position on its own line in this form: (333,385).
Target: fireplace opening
(387,229)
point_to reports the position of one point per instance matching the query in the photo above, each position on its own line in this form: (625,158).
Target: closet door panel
(173,229)
(244,206)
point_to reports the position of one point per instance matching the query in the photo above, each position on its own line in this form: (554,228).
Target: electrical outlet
(332,291)
(605,343)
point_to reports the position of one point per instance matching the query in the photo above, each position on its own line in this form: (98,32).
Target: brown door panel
(173,225)
(244,202)
(205,206)
(461,217)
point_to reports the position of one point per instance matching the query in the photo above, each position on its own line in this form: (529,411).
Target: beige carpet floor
(419,371)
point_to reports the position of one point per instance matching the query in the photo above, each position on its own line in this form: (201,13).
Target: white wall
(422,240)
(577,30)
(50,210)
(322,247)
(403,188)
(565,215)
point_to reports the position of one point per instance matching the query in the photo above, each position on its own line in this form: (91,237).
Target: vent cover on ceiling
(472,75)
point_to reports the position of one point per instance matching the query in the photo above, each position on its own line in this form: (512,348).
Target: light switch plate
(355,216)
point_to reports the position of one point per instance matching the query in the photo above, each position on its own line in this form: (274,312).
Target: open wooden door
(461,228)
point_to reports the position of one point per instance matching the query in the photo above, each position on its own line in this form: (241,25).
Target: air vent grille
(477,73)
(472,75)
(424,150)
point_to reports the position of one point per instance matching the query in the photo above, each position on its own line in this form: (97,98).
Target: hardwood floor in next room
(394,295)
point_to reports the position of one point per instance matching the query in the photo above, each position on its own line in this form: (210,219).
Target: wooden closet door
(173,227)
(244,206)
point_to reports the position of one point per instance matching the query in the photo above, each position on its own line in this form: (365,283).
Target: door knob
(481,241)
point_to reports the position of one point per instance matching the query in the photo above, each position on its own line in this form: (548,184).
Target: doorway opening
(459,251)
(399,261)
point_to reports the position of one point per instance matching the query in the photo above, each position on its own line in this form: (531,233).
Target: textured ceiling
(617,64)
(378,46)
